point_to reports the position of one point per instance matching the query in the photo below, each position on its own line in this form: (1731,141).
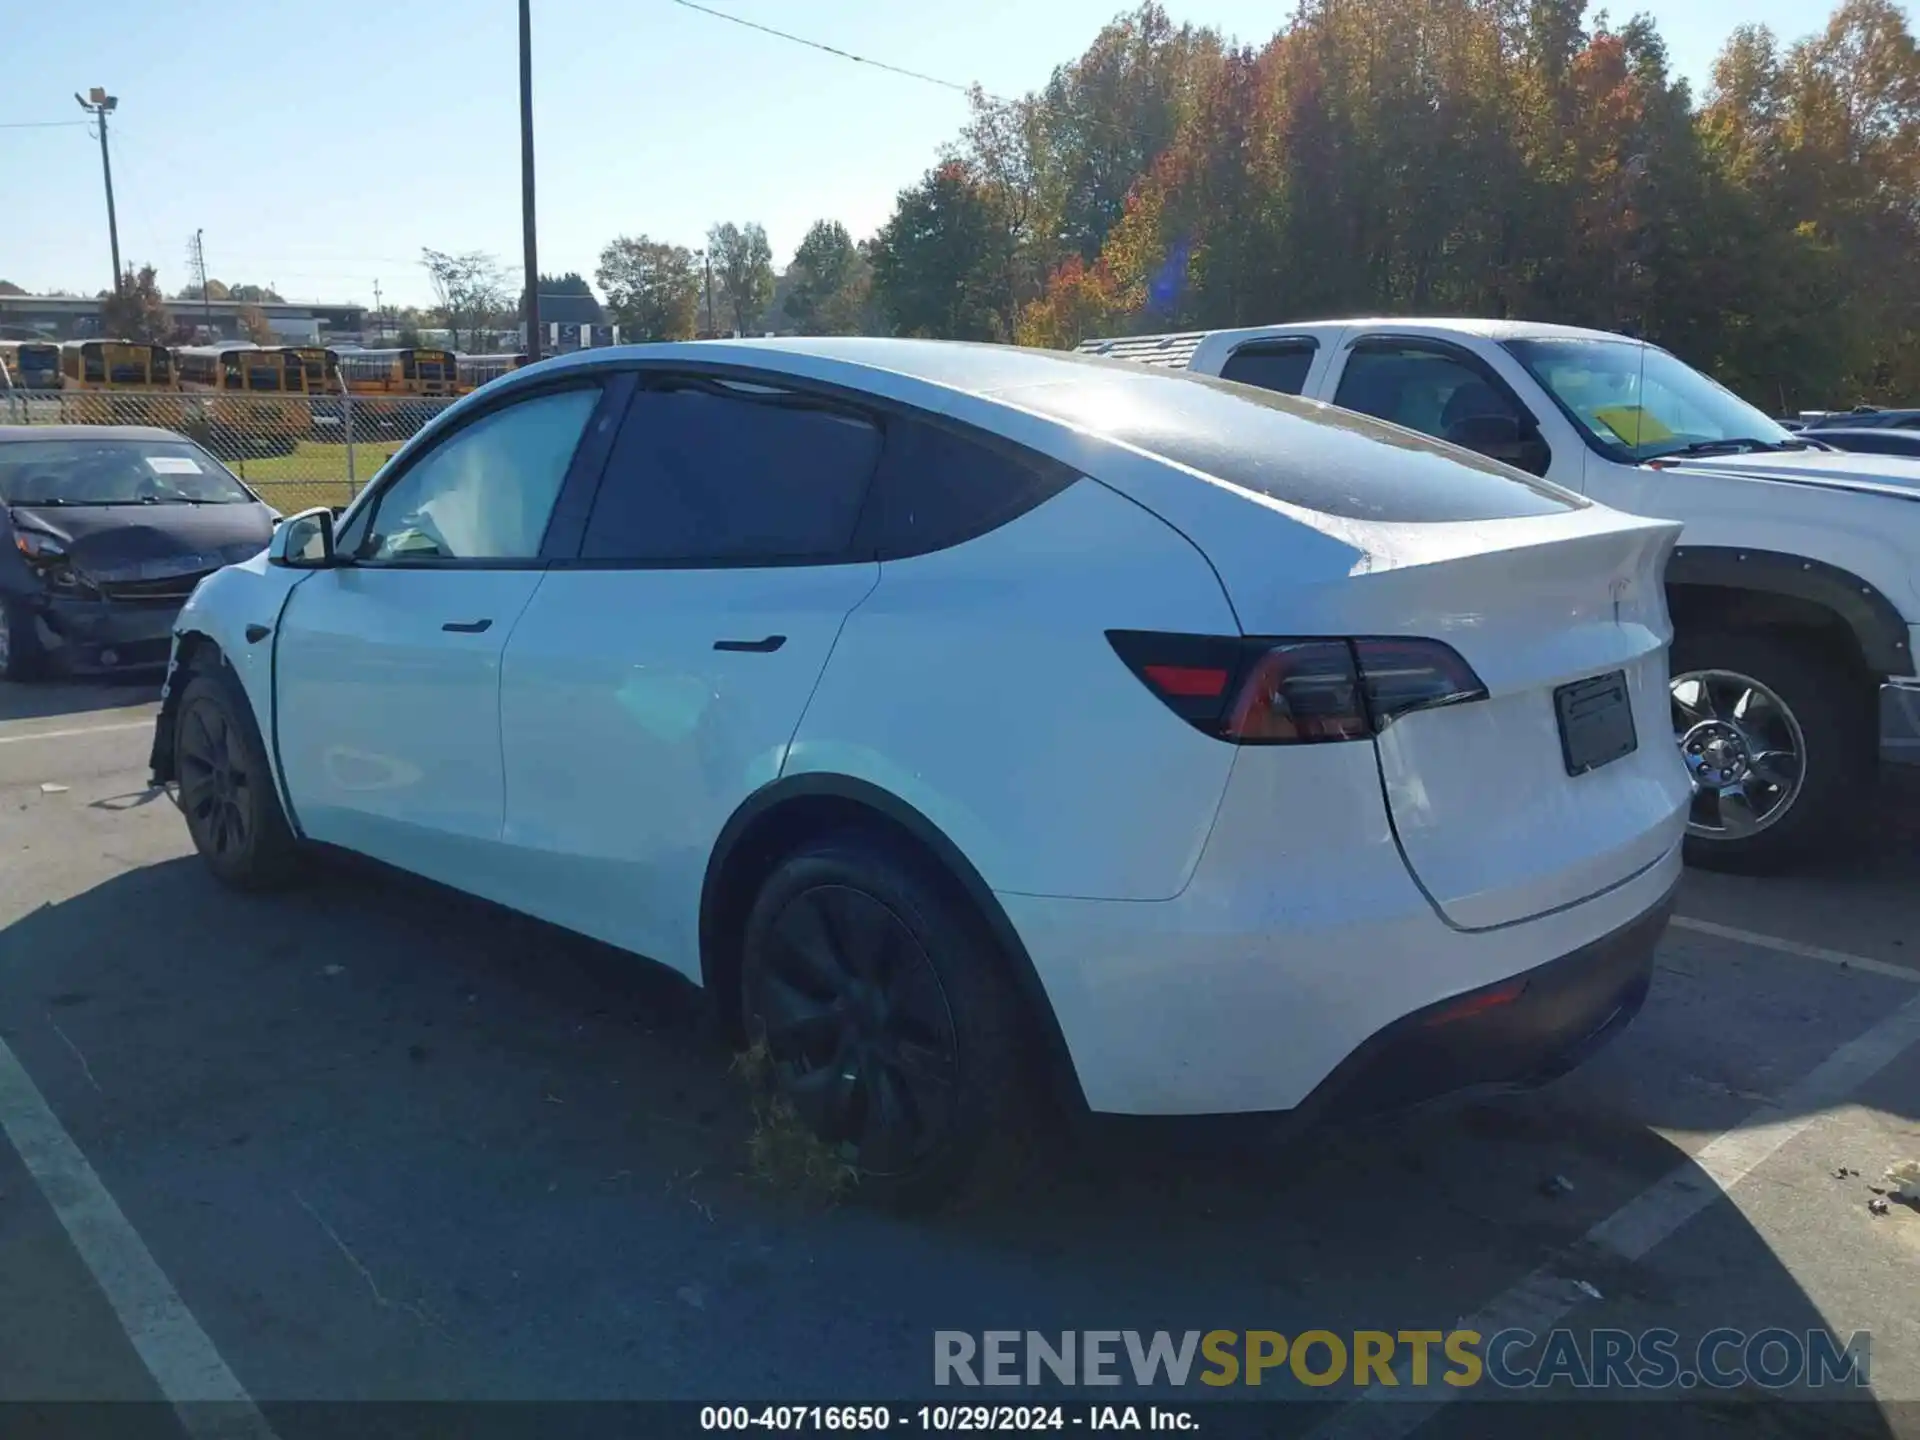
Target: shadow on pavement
(533,1154)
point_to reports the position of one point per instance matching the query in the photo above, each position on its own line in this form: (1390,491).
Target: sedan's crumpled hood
(1892,475)
(151,542)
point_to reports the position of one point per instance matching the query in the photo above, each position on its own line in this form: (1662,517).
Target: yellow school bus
(320,366)
(247,399)
(473,371)
(138,378)
(389,388)
(30,364)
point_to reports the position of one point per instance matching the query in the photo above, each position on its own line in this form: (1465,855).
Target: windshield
(114,472)
(1639,401)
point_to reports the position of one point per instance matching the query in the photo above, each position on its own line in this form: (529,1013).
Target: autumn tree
(742,271)
(7,287)
(139,311)
(471,289)
(255,325)
(652,288)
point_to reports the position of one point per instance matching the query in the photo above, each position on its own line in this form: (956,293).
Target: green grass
(314,474)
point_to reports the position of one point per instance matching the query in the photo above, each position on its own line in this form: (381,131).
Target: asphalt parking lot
(372,1141)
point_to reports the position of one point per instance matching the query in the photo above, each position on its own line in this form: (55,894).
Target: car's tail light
(1295,692)
(1402,676)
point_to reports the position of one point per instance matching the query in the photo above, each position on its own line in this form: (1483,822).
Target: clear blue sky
(320,145)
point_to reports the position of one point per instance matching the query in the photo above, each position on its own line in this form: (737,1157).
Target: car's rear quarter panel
(977,684)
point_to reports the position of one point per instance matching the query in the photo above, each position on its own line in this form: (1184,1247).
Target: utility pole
(98,104)
(379,325)
(526,181)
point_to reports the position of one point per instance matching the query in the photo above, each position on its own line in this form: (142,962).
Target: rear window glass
(1279,368)
(1314,456)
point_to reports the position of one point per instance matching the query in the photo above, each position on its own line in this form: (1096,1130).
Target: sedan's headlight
(35,546)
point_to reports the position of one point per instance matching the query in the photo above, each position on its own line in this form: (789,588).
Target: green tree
(254,294)
(935,270)
(139,311)
(652,288)
(828,283)
(742,271)
(571,283)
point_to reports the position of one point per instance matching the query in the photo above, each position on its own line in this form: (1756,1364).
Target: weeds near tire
(782,1153)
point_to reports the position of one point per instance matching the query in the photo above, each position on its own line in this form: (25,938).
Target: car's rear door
(387,666)
(656,680)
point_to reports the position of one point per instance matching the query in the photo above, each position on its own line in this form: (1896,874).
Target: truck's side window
(1280,366)
(1442,393)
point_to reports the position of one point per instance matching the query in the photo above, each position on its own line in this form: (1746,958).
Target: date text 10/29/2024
(945,1418)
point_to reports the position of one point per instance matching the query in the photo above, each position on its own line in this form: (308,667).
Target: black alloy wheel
(216,786)
(226,790)
(858,1029)
(891,1023)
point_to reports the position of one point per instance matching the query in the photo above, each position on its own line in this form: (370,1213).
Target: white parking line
(1542,1299)
(190,1373)
(1795,947)
(77,730)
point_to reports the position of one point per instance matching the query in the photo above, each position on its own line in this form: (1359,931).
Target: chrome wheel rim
(857,1029)
(1744,751)
(6,642)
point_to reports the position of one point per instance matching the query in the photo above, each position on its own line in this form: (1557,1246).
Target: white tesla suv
(970,719)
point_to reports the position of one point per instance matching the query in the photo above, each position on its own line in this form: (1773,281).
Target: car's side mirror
(304,541)
(1503,438)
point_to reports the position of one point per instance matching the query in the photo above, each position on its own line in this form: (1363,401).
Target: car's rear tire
(21,656)
(226,789)
(1775,738)
(889,1022)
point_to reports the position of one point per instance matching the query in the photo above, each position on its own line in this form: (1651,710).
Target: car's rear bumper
(1523,1031)
(1900,721)
(87,637)
(1319,982)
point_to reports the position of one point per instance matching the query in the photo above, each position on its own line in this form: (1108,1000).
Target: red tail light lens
(1295,692)
(1299,692)
(1402,676)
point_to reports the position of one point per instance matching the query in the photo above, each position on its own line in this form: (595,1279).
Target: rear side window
(1332,461)
(1281,368)
(709,472)
(938,487)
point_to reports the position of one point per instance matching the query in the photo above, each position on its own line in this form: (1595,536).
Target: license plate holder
(1596,722)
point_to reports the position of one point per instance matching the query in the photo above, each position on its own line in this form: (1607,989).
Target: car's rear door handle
(757,647)
(466,627)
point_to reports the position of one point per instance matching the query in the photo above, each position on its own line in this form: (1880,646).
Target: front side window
(1634,402)
(1280,367)
(708,471)
(486,491)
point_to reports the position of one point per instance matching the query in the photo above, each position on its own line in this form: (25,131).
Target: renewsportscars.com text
(1600,1359)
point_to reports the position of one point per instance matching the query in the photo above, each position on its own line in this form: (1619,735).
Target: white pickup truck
(1795,592)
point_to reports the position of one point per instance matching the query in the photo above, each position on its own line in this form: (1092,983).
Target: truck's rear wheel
(1772,736)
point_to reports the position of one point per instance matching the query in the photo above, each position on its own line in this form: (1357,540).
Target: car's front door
(656,681)
(387,666)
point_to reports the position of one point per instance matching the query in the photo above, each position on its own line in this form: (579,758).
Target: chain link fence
(296,451)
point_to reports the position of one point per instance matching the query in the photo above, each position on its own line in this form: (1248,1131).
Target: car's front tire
(1774,737)
(21,657)
(226,790)
(890,1024)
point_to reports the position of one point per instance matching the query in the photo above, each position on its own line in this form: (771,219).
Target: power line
(824,47)
(42,124)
